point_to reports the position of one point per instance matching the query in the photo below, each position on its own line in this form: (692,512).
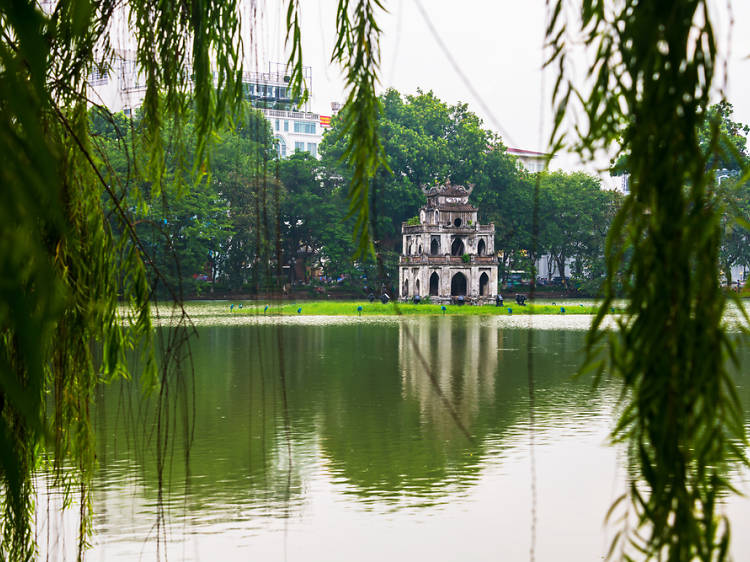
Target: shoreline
(362,308)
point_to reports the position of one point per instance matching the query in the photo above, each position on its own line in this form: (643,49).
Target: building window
(277,124)
(99,76)
(312,148)
(304,127)
(286,126)
(299,146)
(281,147)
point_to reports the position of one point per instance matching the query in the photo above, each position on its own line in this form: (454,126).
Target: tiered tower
(448,254)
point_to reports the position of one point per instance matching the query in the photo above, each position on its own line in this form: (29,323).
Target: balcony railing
(291,114)
(447,260)
(463,229)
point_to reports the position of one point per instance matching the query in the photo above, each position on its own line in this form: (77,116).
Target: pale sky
(498,47)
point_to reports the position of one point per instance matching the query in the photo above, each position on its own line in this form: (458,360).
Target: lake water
(346,439)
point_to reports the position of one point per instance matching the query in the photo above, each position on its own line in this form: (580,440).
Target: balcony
(446,260)
(436,228)
(290,114)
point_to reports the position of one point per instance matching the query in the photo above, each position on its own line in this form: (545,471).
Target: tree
(244,173)
(315,228)
(573,221)
(425,141)
(726,161)
(723,141)
(735,222)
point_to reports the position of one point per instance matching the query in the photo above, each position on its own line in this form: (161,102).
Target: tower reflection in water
(462,356)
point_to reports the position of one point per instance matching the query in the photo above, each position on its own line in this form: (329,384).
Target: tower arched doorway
(484,284)
(458,285)
(481,248)
(434,247)
(405,289)
(434,283)
(416,288)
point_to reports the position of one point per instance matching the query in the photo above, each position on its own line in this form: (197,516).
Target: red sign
(325,120)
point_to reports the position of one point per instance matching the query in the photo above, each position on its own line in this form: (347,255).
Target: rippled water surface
(341,439)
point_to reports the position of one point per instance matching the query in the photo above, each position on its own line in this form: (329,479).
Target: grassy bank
(366,308)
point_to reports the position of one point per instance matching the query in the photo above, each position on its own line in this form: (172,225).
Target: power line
(463,76)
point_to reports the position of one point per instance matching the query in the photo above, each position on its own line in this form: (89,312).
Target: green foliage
(224,224)
(358,51)
(723,141)
(574,218)
(681,418)
(315,229)
(414,221)
(426,141)
(70,253)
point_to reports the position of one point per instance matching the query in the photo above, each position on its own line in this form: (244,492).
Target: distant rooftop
(527,153)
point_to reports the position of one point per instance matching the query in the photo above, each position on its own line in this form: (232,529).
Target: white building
(531,161)
(295,127)
(120,87)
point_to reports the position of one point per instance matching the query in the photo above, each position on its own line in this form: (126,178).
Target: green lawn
(351,308)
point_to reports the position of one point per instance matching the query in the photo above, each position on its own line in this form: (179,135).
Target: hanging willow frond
(74,270)
(648,90)
(358,51)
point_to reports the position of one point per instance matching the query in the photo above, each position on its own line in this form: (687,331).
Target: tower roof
(448,190)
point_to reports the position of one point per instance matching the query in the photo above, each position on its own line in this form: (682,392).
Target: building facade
(120,86)
(448,256)
(294,126)
(530,160)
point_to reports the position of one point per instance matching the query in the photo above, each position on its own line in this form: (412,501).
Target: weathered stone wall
(448,241)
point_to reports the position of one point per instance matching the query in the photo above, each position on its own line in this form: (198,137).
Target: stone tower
(448,254)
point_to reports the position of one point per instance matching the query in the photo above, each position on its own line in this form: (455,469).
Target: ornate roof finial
(448,189)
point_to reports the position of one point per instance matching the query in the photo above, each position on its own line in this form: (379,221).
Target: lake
(363,439)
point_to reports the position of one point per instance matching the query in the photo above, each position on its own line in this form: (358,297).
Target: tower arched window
(457,248)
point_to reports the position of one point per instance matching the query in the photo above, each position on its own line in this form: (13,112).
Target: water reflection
(310,436)
(462,360)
